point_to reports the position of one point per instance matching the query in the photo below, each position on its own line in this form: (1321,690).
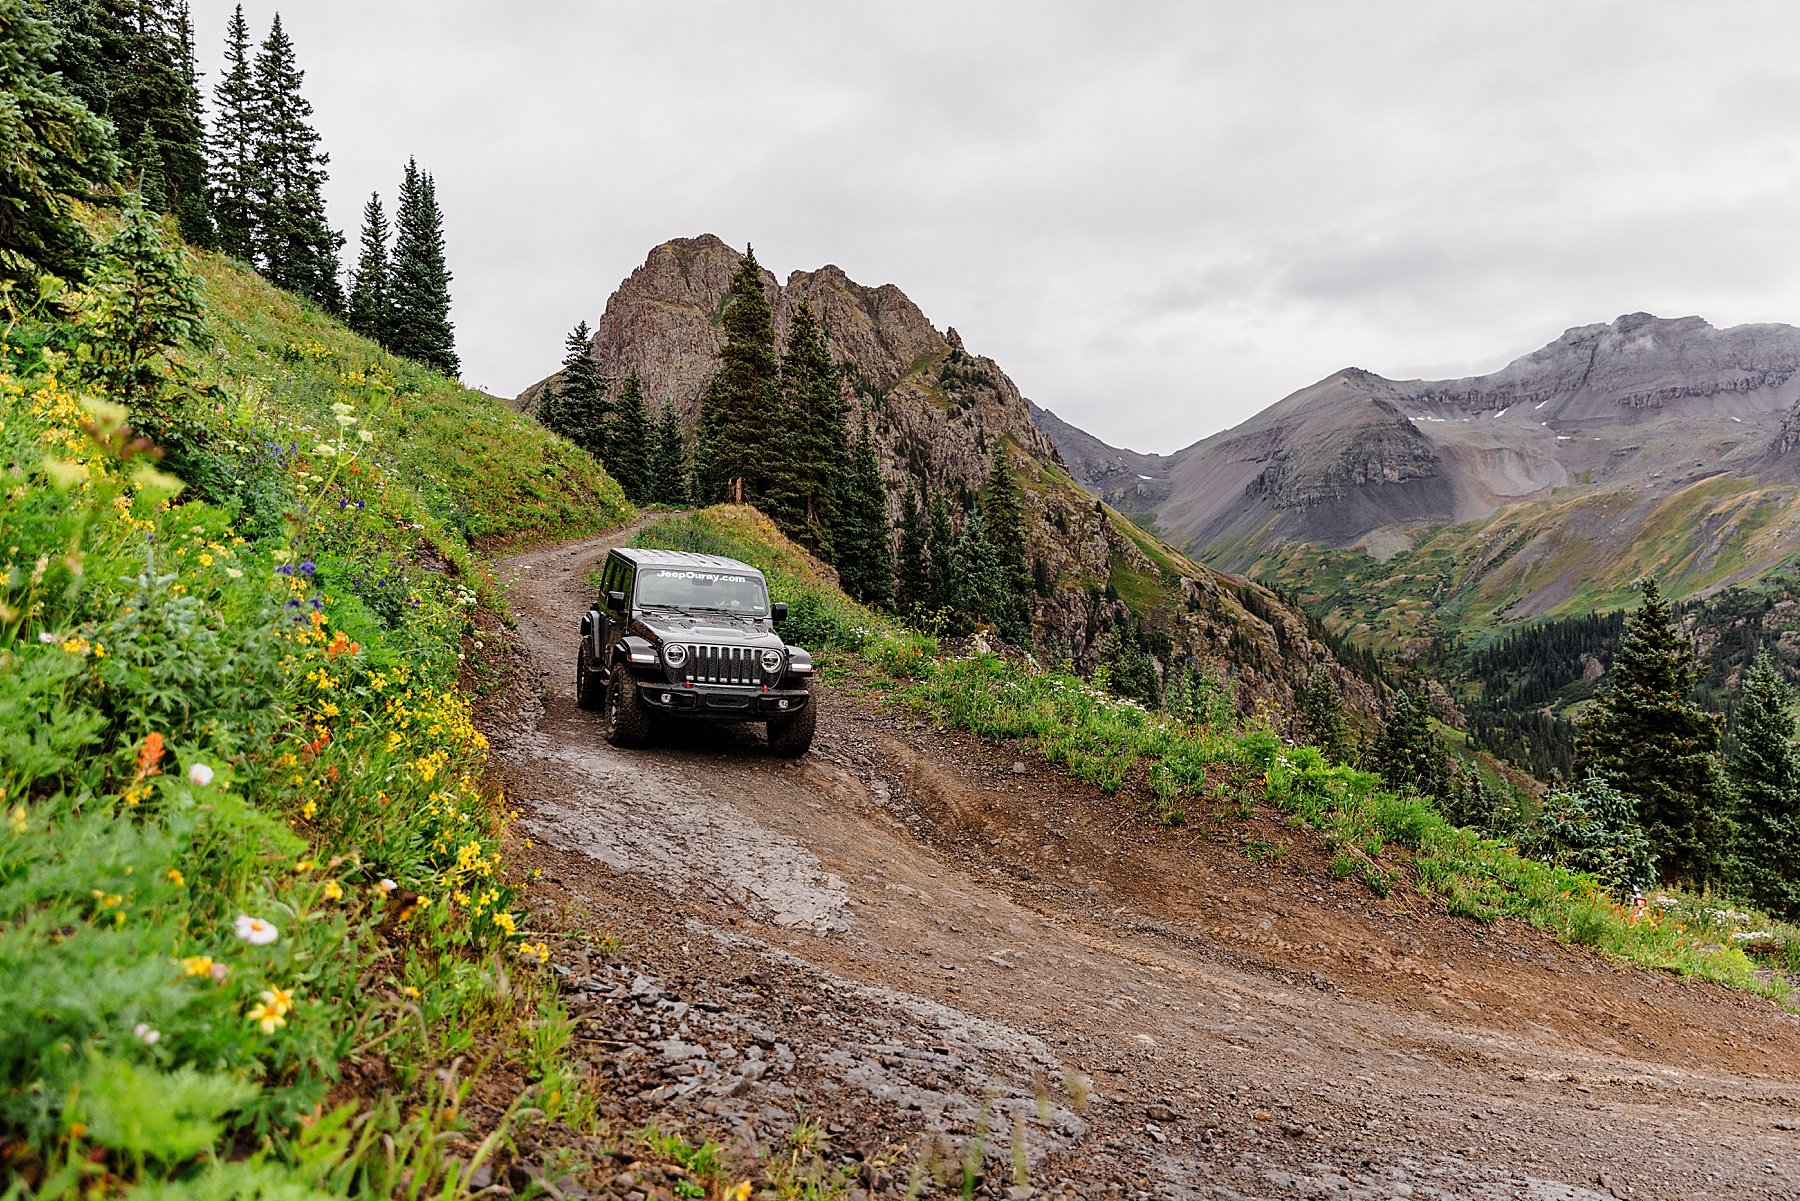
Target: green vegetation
(1647,739)
(1208,759)
(246,844)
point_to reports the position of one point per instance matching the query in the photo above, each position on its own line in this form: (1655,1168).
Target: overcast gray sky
(1157,217)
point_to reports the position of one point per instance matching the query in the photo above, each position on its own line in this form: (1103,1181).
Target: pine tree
(1407,753)
(1766,771)
(184,150)
(140,301)
(1319,718)
(912,570)
(1646,738)
(146,174)
(52,150)
(575,404)
(371,308)
(296,247)
(743,393)
(628,441)
(668,459)
(864,559)
(977,580)
(1593,828)
(1003,514)
(941,544)
(809,446)
(132,61)
(236,184)
(421,280)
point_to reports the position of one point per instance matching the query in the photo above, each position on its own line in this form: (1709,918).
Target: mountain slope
(939,412)
(1646,444)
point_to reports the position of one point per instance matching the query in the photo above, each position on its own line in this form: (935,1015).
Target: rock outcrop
(939,411)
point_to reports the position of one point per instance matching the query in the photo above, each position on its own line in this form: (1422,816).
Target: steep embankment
(939,411)
(979,967)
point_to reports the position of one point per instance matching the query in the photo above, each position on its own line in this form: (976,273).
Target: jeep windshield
(718,591)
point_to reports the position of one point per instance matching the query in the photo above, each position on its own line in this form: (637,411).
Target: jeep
(681,635)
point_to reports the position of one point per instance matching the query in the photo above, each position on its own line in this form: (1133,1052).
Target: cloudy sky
(1158,217)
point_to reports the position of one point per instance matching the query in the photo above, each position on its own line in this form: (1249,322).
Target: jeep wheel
(789,737)
(627,724)
(587,682)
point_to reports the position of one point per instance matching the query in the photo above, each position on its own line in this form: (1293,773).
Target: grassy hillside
(253,908)
(1563,555)
(1172,770)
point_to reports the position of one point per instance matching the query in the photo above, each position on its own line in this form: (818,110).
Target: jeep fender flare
(634,650)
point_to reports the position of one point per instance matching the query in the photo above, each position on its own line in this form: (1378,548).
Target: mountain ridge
(1640,409)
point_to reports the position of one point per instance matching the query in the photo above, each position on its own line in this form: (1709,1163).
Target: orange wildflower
(149,756)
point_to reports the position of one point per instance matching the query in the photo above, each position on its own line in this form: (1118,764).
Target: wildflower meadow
(247,843)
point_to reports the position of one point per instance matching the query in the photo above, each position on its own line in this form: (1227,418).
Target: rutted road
(922,940)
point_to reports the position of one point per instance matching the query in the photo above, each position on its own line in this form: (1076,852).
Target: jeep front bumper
(725,702)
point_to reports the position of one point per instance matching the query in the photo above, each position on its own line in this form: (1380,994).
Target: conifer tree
(941,545)
(421,279)
(912,569)
(1766,771)
(132,61)
(977,579)
(146,174)
(52,149)
(1593,828)
(575,404)
(371,308)
(140,301)
(1003,515)
(743,394)
(184,149)
(863,556)
(1646,738)
(628,441)
(809,446)
(1407,753)
(296,247)
(1319,718)
(668,459)
(236,185)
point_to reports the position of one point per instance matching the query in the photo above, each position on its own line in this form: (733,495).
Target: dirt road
(941,949)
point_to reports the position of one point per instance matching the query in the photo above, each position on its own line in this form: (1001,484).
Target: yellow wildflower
(505,921)
(333,890)
(174,876)
(267,1018)
(197,965)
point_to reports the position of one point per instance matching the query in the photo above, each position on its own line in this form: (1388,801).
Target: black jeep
(676,634)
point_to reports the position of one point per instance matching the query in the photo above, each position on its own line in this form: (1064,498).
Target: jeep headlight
(674,654)
(771,661)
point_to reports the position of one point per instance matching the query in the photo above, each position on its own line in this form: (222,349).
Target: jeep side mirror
(616,599)
(778,611)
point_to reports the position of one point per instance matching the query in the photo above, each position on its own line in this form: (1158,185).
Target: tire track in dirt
(947,943)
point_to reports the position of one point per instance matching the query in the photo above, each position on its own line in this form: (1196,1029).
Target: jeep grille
(722,664)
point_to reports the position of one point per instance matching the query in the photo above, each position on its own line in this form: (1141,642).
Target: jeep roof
(681,558)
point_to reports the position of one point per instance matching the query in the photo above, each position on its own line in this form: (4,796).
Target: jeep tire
(789,737)
(589,687)
(627,722)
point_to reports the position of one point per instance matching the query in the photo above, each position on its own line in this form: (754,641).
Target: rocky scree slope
(939,412)
(1579,450)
